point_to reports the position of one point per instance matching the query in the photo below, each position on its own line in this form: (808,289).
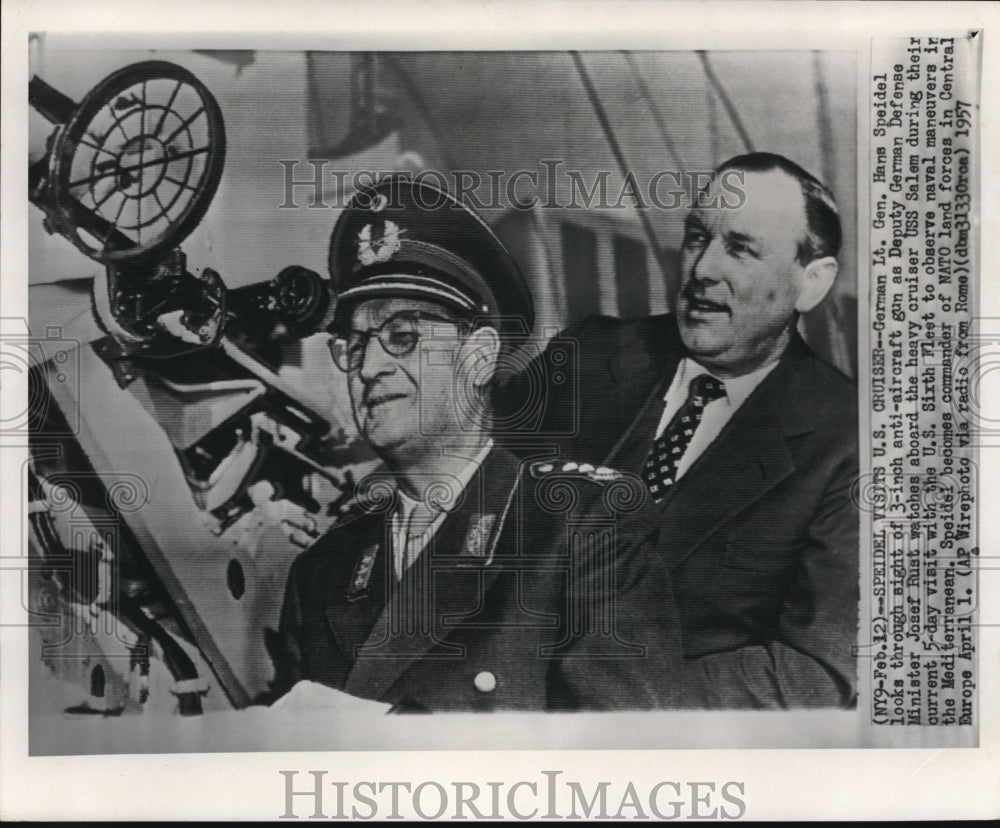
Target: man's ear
(481,351)
(816,279)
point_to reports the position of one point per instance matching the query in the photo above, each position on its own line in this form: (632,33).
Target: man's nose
(376,360)
(706,265)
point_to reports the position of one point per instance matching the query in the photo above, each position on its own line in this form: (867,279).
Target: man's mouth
(698,305)
(372,401)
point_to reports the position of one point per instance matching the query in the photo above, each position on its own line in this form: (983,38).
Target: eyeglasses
(398,336)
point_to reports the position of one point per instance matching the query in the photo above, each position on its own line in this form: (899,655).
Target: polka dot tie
(660,469)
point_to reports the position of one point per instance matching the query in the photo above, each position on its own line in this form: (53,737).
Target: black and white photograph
(393,396)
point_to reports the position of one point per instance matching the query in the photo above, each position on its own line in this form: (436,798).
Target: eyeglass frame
(377,332)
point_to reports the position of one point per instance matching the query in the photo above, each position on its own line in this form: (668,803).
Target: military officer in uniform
(463,578)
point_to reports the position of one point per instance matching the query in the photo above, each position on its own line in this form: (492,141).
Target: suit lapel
(751,455)
(641,369)
(630,452)
(751,459)
(450,577)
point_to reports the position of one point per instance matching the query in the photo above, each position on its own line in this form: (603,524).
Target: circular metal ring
(136,167)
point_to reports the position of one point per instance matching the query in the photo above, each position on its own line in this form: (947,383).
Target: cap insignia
(382,249)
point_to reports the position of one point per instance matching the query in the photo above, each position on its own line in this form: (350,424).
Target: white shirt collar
(737,388)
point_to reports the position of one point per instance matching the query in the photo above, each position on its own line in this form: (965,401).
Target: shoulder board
(354,507)
(582,471)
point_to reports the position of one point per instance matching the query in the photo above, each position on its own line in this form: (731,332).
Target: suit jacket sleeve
(809,660)
(635,666)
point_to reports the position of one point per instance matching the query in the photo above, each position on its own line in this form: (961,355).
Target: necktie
(660,469)
(413,525)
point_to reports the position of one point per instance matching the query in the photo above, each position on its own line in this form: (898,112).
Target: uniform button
(485,682)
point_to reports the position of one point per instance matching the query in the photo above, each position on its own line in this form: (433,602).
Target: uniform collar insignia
(362,574)
(477,537)
(371,251)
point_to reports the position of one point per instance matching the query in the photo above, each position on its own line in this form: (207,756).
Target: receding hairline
(697,211)
(823,227)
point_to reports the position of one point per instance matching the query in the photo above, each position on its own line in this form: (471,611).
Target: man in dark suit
(745,438)
(462,578)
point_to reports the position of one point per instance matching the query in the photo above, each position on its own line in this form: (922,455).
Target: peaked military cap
(405,237)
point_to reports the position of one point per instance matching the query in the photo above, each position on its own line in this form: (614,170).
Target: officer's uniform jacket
(537,591)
